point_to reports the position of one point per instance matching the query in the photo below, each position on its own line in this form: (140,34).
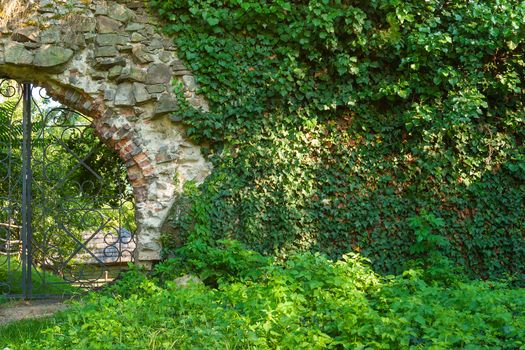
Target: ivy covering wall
(363,126)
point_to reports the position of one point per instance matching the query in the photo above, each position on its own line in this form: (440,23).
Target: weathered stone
(166,153)
(181,73)
(72,96)
(178,65)
(26,34)
(143,19)
(74,39)
(133,27)
(109,94)
(109,39)
(98,75)
(47,3)
(108,62)
(101,10)
(199,103)
(132,74)
(166,104)
(106,51)
(124,95)
(155,44)
(141,94)
(158,74)
(165,56)
(50,36)
(140,55)
(52,56)
(73,80)
(168,44)
(175,118)
(86,24)
(137,37)
(125,48)
(31,45)
(16,53)
(156,89)
(135,4)
(149,30)
(189,82)
(114,72)
(107,25)
(119,12)
(90,37)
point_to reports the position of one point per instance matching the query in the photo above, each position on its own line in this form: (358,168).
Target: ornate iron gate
(66,210)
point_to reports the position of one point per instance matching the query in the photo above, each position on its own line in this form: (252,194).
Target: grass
(43,282)
(26,329)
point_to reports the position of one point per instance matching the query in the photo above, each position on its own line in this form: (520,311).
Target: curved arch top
(107,60)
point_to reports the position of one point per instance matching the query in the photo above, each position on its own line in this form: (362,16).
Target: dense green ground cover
(308,302)
(340,126)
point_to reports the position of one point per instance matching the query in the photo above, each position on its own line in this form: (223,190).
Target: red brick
(148,171)
(140,157)
(138,182)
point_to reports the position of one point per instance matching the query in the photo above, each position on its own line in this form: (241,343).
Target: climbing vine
(340,126)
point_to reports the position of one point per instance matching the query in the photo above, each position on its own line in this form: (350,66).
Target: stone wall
(107,60)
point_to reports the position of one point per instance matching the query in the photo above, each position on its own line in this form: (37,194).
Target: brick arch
(107,60)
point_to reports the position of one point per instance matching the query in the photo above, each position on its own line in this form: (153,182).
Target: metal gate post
(27,283)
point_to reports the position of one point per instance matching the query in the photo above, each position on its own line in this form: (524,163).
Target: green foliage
(43,283)
(10,133)
(61,189)
(28,329)
(225,261)
(306,302)
(333,123)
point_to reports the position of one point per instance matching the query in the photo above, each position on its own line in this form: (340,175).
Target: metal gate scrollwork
(66,209)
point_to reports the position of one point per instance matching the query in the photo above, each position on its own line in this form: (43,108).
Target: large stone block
(140,54)
(166,104)
(119,12)
(132,74)
(158,73)
(106,51)
(26,34)
(110,39)
(50,36)
(141,94)
(107,25)
(124,96)
(16,53)
(52,56)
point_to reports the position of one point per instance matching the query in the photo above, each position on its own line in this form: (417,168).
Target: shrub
(307,301)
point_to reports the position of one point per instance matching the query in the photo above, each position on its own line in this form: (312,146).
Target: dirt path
(22,310)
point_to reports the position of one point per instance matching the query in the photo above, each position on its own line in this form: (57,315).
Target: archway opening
(108,61)
(66,207)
